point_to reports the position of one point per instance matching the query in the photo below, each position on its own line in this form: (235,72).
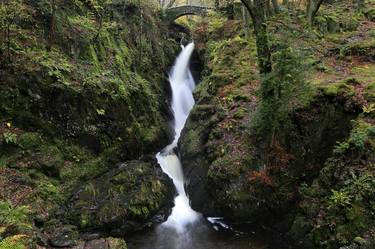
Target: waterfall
(185,228)
(182,84)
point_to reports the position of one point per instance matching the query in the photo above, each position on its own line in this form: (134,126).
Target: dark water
(203,236)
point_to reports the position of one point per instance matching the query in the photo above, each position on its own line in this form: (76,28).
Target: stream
(186,228)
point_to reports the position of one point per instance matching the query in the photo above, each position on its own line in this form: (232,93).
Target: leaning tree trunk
(257,10)
(311,10)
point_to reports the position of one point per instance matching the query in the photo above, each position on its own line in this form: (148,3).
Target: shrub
(282,91)
(10,215)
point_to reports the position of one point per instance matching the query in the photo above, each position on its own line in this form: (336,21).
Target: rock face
(122,200)
(230,171)
(194,154)
(74,104)
(315,131)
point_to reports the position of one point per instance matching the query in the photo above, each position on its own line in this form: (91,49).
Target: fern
(10,215)
(10,138)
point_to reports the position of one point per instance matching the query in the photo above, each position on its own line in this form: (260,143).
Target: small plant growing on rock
(10,138)
(340,199)
(368,109)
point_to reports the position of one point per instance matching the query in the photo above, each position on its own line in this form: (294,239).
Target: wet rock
(115,243)
(218,187)
(97,244)
(122,200)
(90,236)
(193,152)
(80,245)
(41,238)
(64,236)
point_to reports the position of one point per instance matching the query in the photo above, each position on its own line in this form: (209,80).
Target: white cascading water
(182,84)
(185,228)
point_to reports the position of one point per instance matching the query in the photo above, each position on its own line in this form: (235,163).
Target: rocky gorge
(85,105)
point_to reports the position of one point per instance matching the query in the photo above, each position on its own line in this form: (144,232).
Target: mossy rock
(122,200)
(365,47)
(19,241)
(341,195)
(335,89)
(50,160)
(116,243)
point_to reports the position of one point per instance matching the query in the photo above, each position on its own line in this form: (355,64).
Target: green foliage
(54,62)
(11,13)
(369,109)
(3,162)
(12,243)
(10,138)
(360,134)
(83,27)
(100,112)
(282,91)
(216,23)
(362,185)
(10,215)
(335,89)
(30,140)
(115,243)
(339,199)
(48,191)
(364,47)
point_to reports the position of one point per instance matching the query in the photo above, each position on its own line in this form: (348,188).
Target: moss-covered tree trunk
(257,10)
(311,10)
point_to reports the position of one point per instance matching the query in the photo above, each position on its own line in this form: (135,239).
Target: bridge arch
(173,13)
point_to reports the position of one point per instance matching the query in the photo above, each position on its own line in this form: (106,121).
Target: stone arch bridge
(173,13)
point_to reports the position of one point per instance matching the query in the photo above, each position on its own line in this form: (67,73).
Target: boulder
(122,200)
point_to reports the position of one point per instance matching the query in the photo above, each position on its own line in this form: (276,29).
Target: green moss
(11,215)
(132,193)
(116,243)
(335,89)
(14,242)
(359,240)
(364,47)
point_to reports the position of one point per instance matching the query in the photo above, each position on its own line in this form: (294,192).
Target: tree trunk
(268,9)
(53,22)
(245,18)
(257,10)
(8,41)
(311,10)
(276,6)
